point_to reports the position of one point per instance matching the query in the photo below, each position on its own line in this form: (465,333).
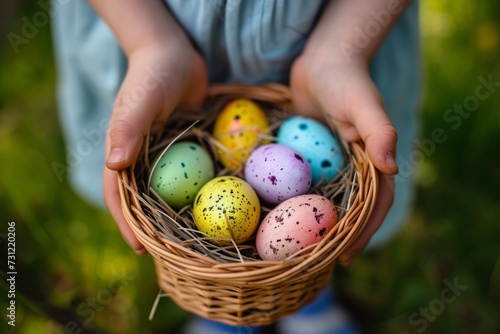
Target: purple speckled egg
(293,225)
(278,172)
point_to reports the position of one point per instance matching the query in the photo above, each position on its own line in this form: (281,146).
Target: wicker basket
(241,292)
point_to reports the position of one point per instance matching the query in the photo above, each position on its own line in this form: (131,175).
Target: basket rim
(260,266)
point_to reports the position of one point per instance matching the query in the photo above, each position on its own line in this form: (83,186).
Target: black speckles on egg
(277,173)
(231,201)
(318,217)
(298,157)
(326,164)
(303,221)
(173,176)
(274,249)
(317,143)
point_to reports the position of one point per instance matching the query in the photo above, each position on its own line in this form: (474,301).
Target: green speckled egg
(181,172)
(227,208)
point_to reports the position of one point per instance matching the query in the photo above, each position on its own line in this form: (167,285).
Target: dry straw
(230,283)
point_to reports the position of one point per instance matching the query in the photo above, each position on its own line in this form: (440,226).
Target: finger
(364,118)
(139,103)
(112,200)
(375,128)
(385,198)
(379,137)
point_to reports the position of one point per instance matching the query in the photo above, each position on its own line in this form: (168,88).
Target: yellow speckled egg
(226,208)
(237,128)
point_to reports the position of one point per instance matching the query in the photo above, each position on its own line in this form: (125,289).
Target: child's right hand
(164,72)
(158,80)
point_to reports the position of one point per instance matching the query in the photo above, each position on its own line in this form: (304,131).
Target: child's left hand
(344,92)
(327,81)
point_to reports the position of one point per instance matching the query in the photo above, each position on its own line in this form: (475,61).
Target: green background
(70,253)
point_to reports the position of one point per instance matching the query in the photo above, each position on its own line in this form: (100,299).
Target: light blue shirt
(242,41)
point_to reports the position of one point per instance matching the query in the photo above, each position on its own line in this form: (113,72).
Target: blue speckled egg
(277,173)
(181,172)
(316,143)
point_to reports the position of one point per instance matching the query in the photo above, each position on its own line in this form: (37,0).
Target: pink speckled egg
(278,172)
(296,223)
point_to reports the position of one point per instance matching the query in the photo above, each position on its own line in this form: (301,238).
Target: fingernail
(390,161)
(116,155)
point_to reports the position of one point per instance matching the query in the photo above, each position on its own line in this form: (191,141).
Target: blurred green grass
(70,254)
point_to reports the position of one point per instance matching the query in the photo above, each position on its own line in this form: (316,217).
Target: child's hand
(348,95)
(157,81)
(164,72)
(325,80)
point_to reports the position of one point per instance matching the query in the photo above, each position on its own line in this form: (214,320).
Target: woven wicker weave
(244,292)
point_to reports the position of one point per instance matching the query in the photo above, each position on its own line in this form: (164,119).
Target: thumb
(135,110)
(379,135)
(358,112)
(125,139)
(366,119)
